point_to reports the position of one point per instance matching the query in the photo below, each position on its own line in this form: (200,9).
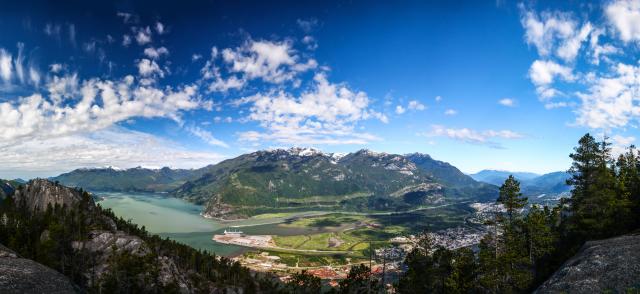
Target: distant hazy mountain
(551,183)
(531,184)
(134,179)
(497,177)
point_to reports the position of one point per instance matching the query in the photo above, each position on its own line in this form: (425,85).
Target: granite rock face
(21,275)
(610,265)
(39,193)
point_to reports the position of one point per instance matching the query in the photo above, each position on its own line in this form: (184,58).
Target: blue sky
(482,85)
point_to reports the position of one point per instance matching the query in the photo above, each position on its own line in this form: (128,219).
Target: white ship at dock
(233,232)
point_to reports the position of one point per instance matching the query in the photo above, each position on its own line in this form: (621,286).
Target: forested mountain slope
(63,229)
(128,180)
(307,178)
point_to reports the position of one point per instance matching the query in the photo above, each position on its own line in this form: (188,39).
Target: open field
(341,238)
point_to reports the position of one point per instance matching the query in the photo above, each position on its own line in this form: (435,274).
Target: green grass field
(354,234)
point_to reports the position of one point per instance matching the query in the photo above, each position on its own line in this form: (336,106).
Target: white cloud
(160,28)
(61,88)
(128,17)
(624,16)
(310,42)
(604,97)
(507,102)
(274,62)
(114,146)
(599,51)
(473,136)
(206,136)
(56,67)
(5,65)
(126,40)
(18,63)
(155,53)
(416,105)
(196,57)
(438,98)
(619,144)
(325,114)
(148,68)
(98,104)
(52,30)
(553,105)
(34,76)
(554,32)
(569,49)
(450,112)
(219,119)
(611,100)
(400,109)
(544,72)
(143,35)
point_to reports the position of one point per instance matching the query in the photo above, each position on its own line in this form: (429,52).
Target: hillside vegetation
(297,179)
(128,180)
(62,228)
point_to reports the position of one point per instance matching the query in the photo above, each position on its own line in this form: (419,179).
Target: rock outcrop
(21,275)
(611,265)
(39,193)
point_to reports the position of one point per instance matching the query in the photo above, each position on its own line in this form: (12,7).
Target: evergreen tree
(303,282)
(419,276)
(628,176)
(540,235)
(503,257)
(359,281)
(593,198)
(512,200)
(463,274)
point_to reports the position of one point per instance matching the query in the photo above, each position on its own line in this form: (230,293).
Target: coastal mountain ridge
(297,179)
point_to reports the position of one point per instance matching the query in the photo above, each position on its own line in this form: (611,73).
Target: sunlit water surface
(180,220)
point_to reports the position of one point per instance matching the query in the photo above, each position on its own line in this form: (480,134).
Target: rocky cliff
(611,265)
(21,275)
(38,194)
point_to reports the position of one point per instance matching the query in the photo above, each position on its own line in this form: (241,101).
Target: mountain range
(550,184)
(297,179)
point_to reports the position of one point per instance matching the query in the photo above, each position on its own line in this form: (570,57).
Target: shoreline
(219,239)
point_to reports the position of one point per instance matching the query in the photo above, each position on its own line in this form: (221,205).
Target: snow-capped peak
(338,155)
(304,151)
